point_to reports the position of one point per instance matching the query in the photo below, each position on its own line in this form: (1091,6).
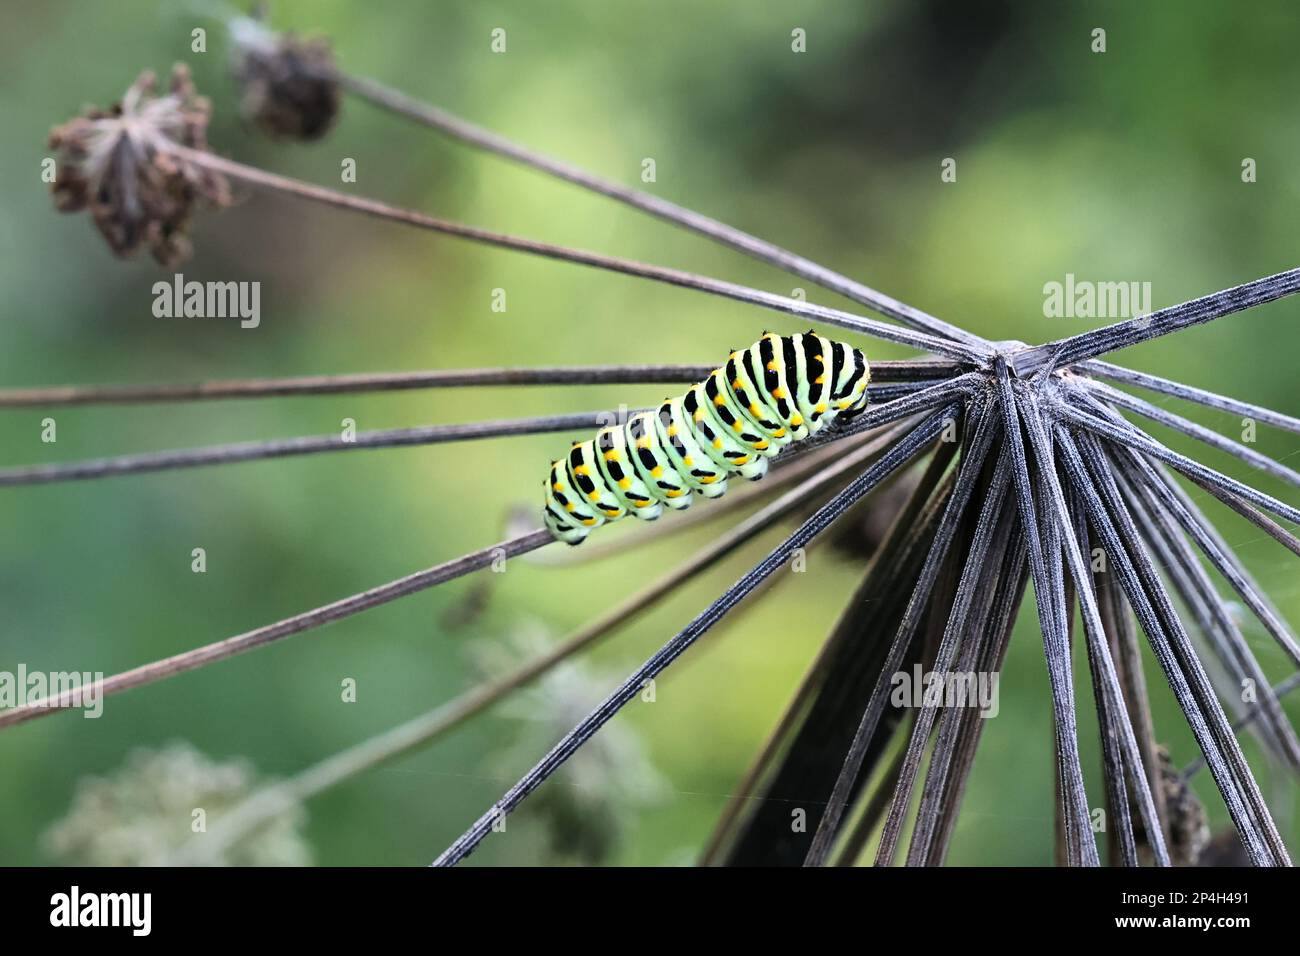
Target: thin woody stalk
(403,105)
(317,617)
(674,277)
(393,743)
(907,371)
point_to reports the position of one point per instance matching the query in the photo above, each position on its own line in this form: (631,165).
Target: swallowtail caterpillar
(780,390)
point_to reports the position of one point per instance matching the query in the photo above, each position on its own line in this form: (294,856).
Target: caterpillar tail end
(572,535)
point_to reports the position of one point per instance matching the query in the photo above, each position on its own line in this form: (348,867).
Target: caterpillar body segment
(698,468)
(721,432)
(651,462)
(779,391)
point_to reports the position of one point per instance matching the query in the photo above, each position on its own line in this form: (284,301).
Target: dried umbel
(141,813)
(287,83)
(120,164)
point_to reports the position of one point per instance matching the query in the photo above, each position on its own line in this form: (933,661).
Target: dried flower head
(145,810)
(119,164)
(288,84)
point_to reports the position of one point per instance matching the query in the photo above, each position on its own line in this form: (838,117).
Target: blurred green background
(1117,166)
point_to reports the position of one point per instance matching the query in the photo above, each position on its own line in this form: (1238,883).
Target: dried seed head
(119,164)
(287,83)
(141,814)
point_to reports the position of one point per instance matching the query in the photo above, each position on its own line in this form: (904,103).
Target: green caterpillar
(780,390)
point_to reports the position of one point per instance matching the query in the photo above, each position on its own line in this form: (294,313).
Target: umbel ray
(1046,467)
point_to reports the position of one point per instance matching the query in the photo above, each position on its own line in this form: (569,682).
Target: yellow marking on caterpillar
(625,483)
(688,461)
(657,471)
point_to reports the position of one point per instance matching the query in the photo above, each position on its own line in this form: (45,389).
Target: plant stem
(1198,395)
(983,427)
(431,116)
(1088,345)
(287,447)
(268,803)
(675,277)
(916,370)
(317,617)
(815,525)
(1201,433)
